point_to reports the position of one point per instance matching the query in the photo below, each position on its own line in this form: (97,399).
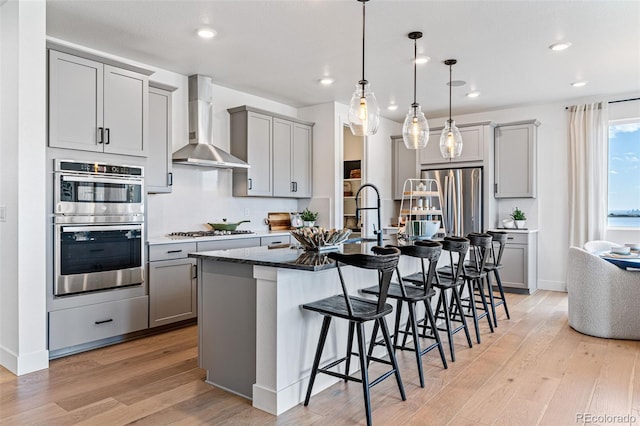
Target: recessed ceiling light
(561,45)
(206,33)
(473,94)
(392,107)
(579,83)
(456,83)
(327,81)
(422,60)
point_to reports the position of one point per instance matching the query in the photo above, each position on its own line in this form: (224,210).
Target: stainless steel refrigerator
(461,192)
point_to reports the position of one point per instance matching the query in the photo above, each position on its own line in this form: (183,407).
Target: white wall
(326,159)
(23,337)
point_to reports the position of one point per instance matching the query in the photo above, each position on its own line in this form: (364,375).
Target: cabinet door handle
(103,321)
(495,188)
(194,271)
(170,177)
(275,242)
(174,251)
(295,186)
(107,132)
(509,238)
(100,135)
(250,184)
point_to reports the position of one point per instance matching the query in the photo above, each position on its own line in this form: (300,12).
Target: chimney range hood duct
(199,151)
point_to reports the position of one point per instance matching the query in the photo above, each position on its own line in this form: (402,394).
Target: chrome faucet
(376,232)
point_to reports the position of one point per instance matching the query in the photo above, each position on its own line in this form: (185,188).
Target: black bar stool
(411,295)
(474,275)
(449,296)
(358,311)
(497,249)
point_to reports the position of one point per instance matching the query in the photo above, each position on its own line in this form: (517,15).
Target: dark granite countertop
(285,257)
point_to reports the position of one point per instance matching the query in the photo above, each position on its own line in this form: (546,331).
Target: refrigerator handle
(447,213)
(457,204)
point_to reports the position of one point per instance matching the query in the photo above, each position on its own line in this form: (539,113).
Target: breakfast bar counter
(254,339)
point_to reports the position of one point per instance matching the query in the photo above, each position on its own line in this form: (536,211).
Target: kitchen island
(254,338)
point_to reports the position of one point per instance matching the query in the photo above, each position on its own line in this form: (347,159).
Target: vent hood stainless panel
(200,151)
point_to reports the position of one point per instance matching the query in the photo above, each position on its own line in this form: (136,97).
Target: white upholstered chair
(604,300)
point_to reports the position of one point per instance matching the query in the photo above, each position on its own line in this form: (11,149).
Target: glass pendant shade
(364,111)
(415,130)
(450,141)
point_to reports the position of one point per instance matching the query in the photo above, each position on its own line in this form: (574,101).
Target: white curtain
(588,165)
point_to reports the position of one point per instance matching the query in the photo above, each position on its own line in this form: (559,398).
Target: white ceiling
(279,49)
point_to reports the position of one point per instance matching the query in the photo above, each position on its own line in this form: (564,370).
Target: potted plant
(309,217)
(519,218)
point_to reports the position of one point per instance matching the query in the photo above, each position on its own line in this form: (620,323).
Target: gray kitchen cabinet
(227,244)
(473,145)
(516,160)
(172,283)
(520,260)
(277,148)
(158,172)
(405,165)
(292,159)
(96,107)
(85,324)
(252,141)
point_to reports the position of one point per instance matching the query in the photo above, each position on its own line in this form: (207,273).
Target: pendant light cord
(450,67)
(363,81)
(415,66)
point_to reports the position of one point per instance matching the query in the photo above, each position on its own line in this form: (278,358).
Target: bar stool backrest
(480,249)
(384,261)
(499,240)
(460,246)
(424,250)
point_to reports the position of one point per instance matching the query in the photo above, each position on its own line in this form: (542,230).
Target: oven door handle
(102,228)
(123,181)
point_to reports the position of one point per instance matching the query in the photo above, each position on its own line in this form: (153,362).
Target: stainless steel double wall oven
(98,226)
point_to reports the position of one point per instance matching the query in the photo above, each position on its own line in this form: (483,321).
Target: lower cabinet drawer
(268,241)
(75,326)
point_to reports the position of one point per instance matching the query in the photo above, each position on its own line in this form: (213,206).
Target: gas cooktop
(195,234)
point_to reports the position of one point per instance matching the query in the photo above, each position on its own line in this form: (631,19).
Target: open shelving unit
(421,200)
(351,186)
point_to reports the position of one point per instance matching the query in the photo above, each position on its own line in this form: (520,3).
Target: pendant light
(450,139)
(415,130)
(364,112)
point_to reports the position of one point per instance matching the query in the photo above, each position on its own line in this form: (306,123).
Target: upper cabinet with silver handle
(89,100)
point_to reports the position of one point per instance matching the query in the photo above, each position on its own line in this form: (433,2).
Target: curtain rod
(617,101)
(624,100)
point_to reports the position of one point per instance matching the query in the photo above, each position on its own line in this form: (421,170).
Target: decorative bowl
(621,250)
(318,239)
(423,229)
(508,223)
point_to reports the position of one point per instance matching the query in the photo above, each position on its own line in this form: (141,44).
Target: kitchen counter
(515,230)
(288,257)
(177,239)
(254,339)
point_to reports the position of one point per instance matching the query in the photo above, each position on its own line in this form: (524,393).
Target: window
(624,174)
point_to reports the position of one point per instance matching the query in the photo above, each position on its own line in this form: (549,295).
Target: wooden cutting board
(279,221)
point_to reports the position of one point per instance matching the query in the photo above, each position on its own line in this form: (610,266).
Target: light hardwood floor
(533,370)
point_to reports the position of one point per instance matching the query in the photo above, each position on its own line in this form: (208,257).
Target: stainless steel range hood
(200,151)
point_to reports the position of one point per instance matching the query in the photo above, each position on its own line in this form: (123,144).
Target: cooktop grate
(195,234)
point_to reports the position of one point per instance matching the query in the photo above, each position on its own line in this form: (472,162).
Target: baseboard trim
(24,364)
(552,285)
